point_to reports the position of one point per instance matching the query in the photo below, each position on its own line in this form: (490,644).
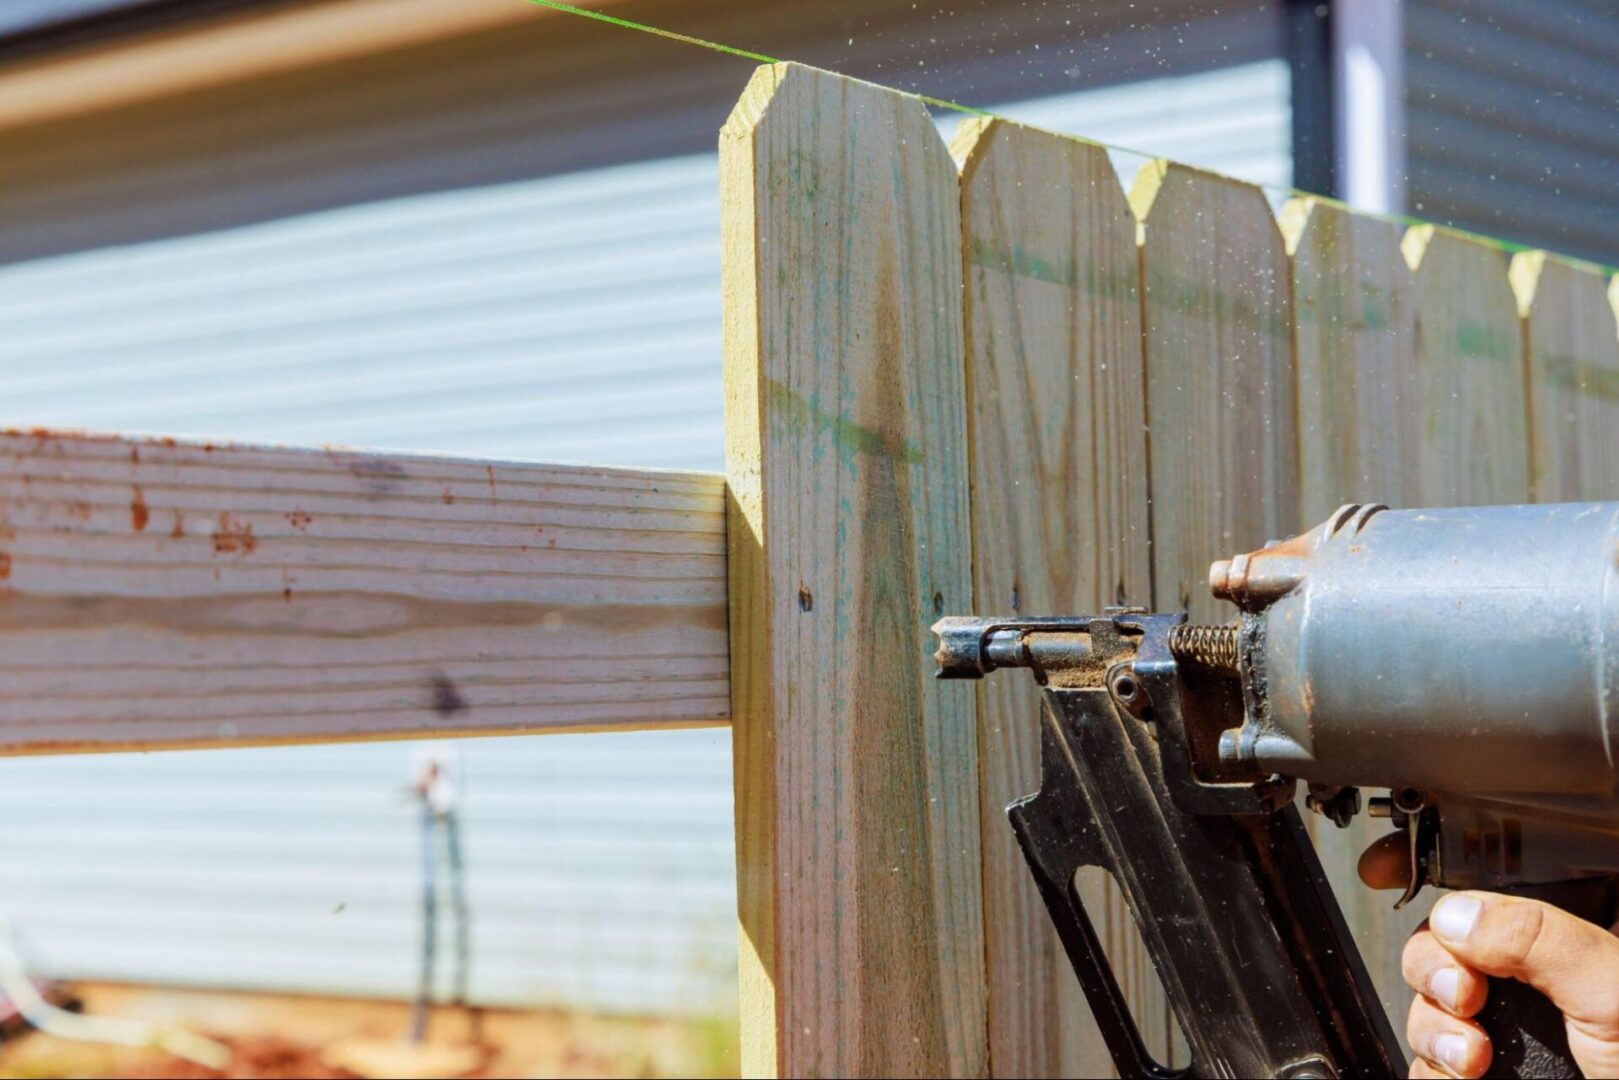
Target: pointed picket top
(858,862)
(1572,357)
(1218,332)
(1356,329)
(1474,444)
(1059,465)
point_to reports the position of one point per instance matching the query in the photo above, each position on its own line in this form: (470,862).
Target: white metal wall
(600,869)
(573,315)
(574,318)
(1512,120)
(1232,120)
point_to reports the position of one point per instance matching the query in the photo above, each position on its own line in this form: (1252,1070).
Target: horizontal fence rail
(158,594)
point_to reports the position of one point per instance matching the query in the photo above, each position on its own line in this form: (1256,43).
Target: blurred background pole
(1369,109)
(424,987)
(459,907)
(434,784)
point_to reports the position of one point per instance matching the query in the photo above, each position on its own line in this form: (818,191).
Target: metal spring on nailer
(1211,646)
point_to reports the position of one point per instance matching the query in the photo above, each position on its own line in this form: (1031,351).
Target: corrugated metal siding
(600,868)
(1234,120)
(1513,120)
(363,266)
(457,321)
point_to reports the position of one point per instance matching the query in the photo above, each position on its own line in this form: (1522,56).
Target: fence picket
(856,771)
(1059,523)
(1572,351)
(1474,440)
(1217,324)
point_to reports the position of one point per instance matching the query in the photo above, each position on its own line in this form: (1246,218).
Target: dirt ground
(274,1036)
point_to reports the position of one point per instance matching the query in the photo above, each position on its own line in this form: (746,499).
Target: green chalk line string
(657,31)
(1510,247)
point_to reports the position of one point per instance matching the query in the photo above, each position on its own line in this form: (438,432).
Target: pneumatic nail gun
(1466,660)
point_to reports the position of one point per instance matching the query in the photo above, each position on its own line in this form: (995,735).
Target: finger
(1421,1070)
(1431,970)
(1566,958)
(1387,863)
(1458,1047)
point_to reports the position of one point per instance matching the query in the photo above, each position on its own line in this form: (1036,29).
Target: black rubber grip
(1525,1028)
(1527,1032)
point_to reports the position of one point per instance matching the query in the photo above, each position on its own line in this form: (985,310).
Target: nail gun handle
(1234,911)
(1108,1004)
(1526,1030)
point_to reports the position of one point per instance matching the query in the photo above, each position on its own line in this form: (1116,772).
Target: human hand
(1474,935)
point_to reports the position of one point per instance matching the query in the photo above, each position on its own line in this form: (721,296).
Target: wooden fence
(969,378)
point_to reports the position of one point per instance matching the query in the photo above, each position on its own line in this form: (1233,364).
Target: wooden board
(856,771)
(1359,432)
(1356,359)
(1059,479)
(160,594)
(1572,351)
(1474,439)
(1217,327)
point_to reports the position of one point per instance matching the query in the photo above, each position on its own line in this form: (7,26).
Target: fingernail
(1451,1051)
(1442,986)
(1454,916)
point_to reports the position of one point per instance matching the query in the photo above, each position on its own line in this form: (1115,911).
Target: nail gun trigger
(1422,828)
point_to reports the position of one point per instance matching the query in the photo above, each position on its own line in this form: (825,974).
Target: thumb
(1573,962)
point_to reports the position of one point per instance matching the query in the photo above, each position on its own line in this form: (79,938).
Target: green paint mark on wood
(1198,297)
(1333,306)
(1476,339)
(851,437)
(1020,262)
(1572,373)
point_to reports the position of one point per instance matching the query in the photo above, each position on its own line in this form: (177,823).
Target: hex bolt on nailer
(1465,659)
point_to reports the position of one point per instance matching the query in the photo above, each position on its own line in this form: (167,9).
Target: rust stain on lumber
(233,536)
(138,514)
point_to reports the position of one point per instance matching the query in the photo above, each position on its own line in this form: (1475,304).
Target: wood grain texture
(1474,439)
(1359,431)
(1572,349)
(856,771)
(1217,327)
(161,594)
(1059,480)
(1355,354)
